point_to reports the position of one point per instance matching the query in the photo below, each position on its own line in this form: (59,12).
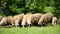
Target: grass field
(31,30)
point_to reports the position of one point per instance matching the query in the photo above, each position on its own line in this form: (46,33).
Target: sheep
(10,20)
(3,22)
(54,20)
(45,18)
(17,19)
(24,20)
(58,21)
(33,19)
(6,21)
(29,19)
(1,18)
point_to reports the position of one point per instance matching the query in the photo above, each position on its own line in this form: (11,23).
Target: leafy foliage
(31,6)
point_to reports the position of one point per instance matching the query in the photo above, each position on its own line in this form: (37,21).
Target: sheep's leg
(23,26)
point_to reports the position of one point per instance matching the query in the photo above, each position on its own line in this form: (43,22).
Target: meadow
(31,30)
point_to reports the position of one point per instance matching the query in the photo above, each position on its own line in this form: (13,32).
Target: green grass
(31,30)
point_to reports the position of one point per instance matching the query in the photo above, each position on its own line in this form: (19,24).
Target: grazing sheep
(24,20)
(1,18)
(29,19)
(10,20)
(33,19)
(17,19)
(45,18)
(37,16)
(58,22)
(3,22)
(54,20)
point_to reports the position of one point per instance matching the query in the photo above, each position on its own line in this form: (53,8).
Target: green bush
(14,7)
(49,9)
